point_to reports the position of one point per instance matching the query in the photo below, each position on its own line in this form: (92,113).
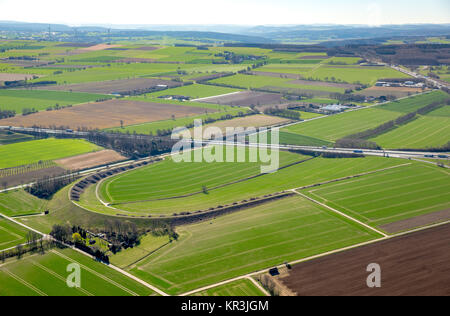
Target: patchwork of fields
(313,171)
(389,196)
(181,227)
(337,126)
(246,241)
(11,234)
(45,275)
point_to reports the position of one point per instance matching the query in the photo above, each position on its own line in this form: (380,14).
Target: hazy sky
(248,12)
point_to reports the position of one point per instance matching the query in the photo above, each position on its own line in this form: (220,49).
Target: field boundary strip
(259,286)
(314,257)
(155,289)
(340,213)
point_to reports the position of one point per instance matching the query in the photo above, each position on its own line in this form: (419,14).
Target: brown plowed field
(29,177)
(113,86)
(104,115)
(147,48)
(399,92)
(418,221)
(247,98)
(90,160)
(413,264)
(324,84)
(14,77)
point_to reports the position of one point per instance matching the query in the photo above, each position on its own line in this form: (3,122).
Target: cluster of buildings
(407,84)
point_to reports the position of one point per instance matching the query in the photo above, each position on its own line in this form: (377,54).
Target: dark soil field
(24,63)
(247,98)
(14,77)
(114,86)
(147,48)
(324,84)
(413,264)
(104,115)
(90,160)
(399,92)
(417,221)
(32,176)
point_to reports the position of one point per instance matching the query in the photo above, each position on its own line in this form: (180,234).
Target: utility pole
(49,32)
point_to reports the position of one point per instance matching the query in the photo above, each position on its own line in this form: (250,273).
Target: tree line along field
(390,196)
(430,130)
(40,150)
(247,241)
(11,234)
(7,137)
(340,125)
(310,172)
(19,203)
(152,182)
(17,100)
(45,275)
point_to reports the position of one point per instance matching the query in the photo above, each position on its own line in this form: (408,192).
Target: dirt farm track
(413,264)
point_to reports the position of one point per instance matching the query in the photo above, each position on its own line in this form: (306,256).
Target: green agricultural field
(314,171)
(242,287)
(45,149)
(301,140)
(308,115)
(45,275)
(131,256)
(11,234)
(17,100)
(426,131)
(246,241)
(169,179)
(340,125)
(194,91)
(19,202)
(389,196)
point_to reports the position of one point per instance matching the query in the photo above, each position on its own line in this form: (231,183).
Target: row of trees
(290,114)
(34,243)
(7,113)
(360,140)
(46,187)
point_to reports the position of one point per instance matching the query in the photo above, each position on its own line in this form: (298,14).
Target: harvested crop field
(422,220)
(114,86)
(98,47)
(274,74)
(399,92)
(324,84)
(247,98)
(413,264)
(31,176)
(25,63)
(89,160)
(147,48)
(105,115)
(14,77)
